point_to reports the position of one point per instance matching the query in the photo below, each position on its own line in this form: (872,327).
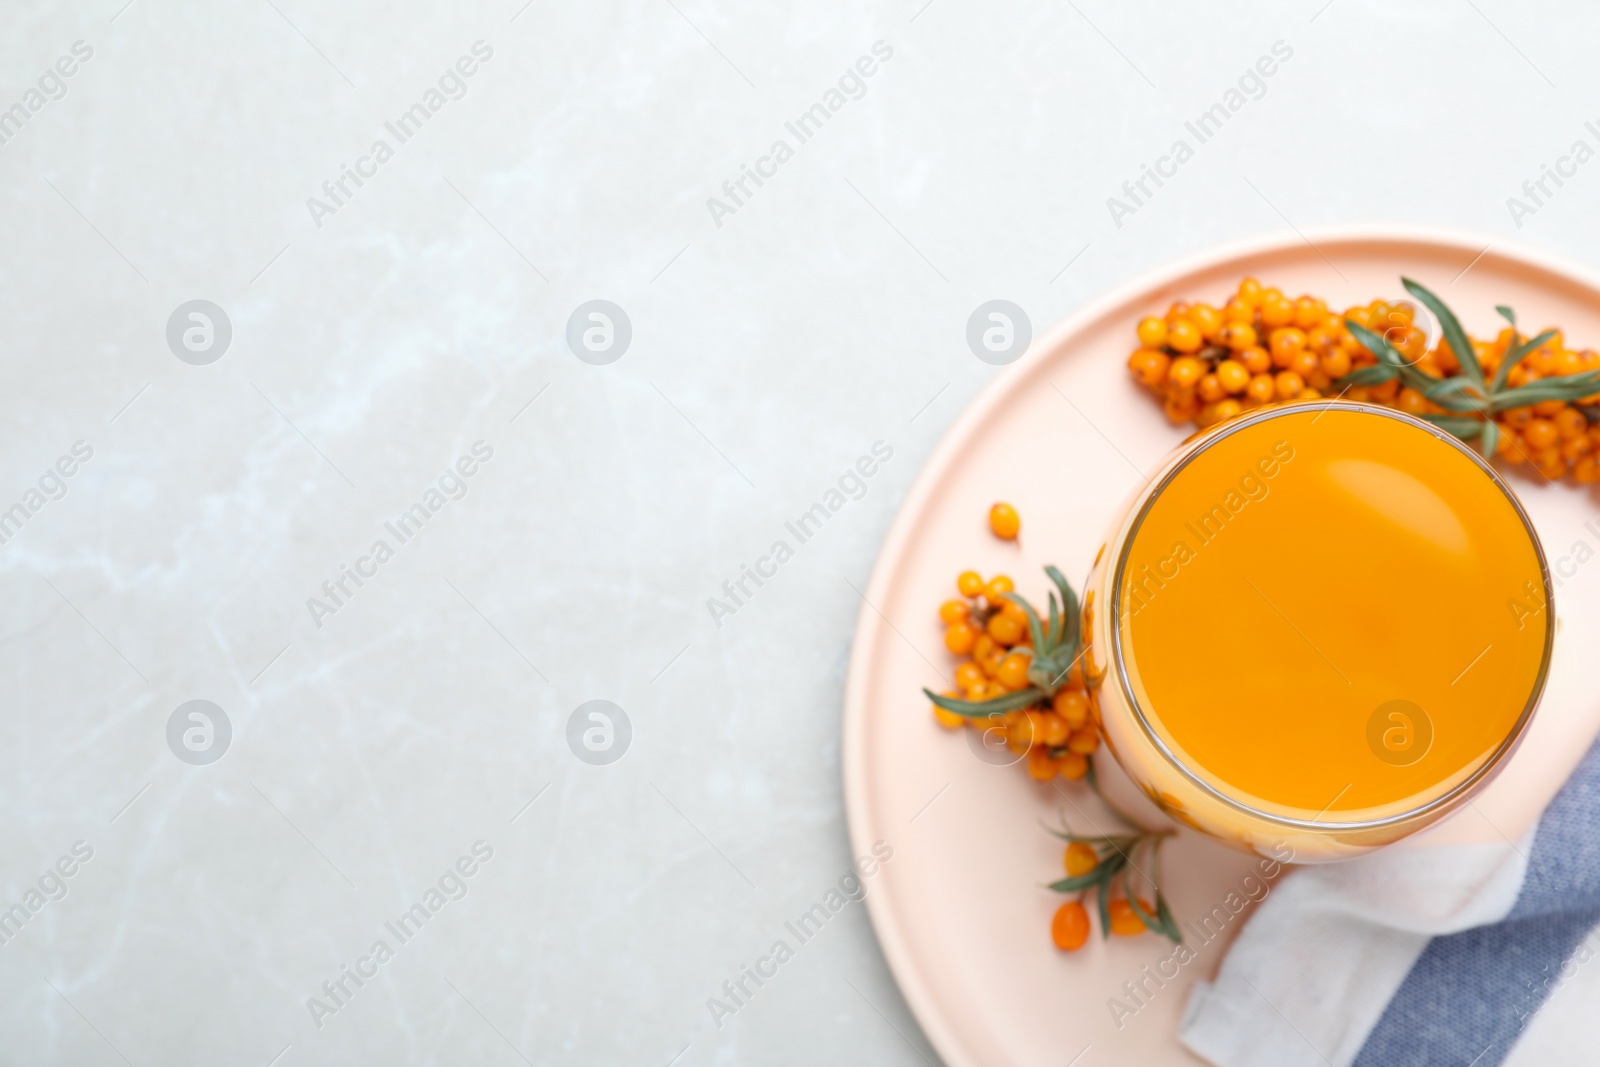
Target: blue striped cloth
(1438,955)
(1470,994)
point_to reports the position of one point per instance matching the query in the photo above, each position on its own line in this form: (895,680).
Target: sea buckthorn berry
(1237,335)
(1576,448)
(1335,363)
(1005,629)
(1083,741)
(1569,363)
(1186,372)
(1152,332)
(997,588)
(1210,389)
(1014,670)
(1073,765)
(1540,434)
(1073,706)
(1411,402)
(1053,730)
(1079,859)
(1019,732)
(1004,521)
(1149,366)
(1384,392)
(1207,319)
(984,690)
(1226,409)
(959,638)
(1256,360)
(1587,470)
(968,675)
(1237,310)
(1304,363)
(1250,290)
(1183,335)
(1232,375)
(1309,393)
(1040,766)
(1309,312)
(1260,390)
(1549,408)
(1124,921)
(1012,608)
(1286,343)
(950,720)
(983,648)
(1181,409)
(969,583)
(1069,928)
(954,611)
(1276,311)
(1571,424)
(1288,384)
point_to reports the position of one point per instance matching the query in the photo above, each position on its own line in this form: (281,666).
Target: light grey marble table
(393,215)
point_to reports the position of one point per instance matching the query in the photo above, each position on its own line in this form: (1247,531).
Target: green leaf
(1517,355)
(1053,630)
(1507,314)
(1164,913)
(1565,387)
(1462,426)
(1104,903)
(1150,921)
(1022,698)
(1453,332)
(1104,871)
(1376,374)
(1069,607)
(1375,343)
(1491,439)
(1034,631)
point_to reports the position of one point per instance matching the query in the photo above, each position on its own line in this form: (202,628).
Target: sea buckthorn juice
(1322,624)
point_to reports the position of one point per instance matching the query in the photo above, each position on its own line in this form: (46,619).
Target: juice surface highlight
(1332,614)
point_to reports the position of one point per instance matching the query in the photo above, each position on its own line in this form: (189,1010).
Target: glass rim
(1114,620)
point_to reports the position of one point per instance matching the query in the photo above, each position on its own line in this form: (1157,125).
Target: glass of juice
(1321,624)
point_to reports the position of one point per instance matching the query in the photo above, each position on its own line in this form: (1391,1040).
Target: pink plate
(1064,434)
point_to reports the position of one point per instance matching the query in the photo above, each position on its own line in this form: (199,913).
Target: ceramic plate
(1064,434)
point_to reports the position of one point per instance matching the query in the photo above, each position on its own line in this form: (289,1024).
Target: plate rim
(893,939)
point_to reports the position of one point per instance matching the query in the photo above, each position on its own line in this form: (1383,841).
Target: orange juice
(1327,621)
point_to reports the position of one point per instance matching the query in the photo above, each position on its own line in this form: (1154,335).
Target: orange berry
(1237,310)
(1069,928)
(1571,424)
(1040,766)
(1335,363)
(1261,389)
(1186,372)
(1237,335)
(1233,375)
(970,675)
(1411,401)
(995,591)
(1152,332)
(1083,741)
(950,720)
(1014,670)
(1053,730)
(1210,389)
(969,583)
(1207,319)
(1540,434)
(1286,343)
(1073,706)
(1587,470)
(1256,360)
(1181,409)
(1149,366)
(1073,765)
(1079,859)
(1288,384)
(1124,923)
(1276,310)
(1250,291)
(1305,363)
(1004,521)
(1183,335)
(1227,409)
(1005,629)
(952,611)
(959,638)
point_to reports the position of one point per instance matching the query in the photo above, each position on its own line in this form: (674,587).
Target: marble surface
(387,738)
